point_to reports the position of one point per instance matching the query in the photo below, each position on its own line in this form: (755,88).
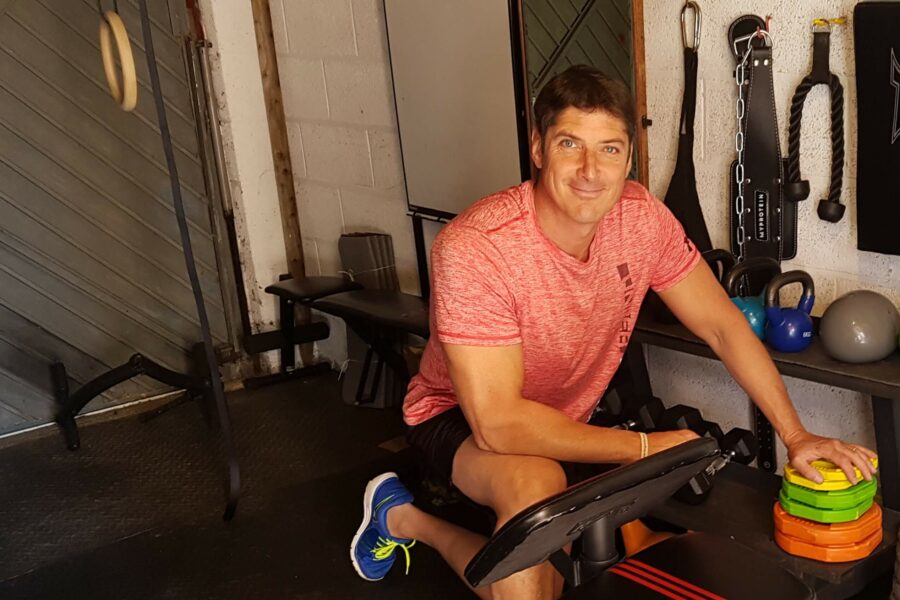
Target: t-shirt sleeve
(677,253)
(471,301)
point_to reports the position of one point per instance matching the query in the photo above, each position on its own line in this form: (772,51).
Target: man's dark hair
(585,88)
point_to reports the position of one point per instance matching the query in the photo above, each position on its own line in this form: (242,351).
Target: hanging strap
(681,196)
(234,485)
(797,189)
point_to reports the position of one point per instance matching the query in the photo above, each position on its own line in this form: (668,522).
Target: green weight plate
(822,515)
(835,500)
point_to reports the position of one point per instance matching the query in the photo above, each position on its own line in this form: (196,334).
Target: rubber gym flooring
(136,512)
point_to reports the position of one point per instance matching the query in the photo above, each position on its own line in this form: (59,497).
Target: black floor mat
(135,513)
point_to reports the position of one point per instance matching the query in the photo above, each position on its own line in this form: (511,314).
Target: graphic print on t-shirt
(624,333)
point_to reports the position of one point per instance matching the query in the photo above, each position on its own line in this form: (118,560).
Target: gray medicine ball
(859,327)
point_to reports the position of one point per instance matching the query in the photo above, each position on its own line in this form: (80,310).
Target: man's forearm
(749,363)
(527,430)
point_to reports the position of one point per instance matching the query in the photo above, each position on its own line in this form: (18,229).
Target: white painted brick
(360,92)
(321,223)
(279,27)
(303,88)
(319,28)
(663,107)
(319,209)
(311,255)
(298,159)
(387,162)
(370,210)
(662,29)
(660,174)
(368,22)
(336,154)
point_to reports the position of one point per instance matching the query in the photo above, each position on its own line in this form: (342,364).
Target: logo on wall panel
(895,81)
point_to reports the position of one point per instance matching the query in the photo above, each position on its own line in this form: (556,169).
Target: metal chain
(740,109)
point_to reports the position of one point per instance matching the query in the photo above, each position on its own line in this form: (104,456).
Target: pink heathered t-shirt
(498,280)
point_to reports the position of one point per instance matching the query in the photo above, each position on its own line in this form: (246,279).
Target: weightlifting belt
(770,224)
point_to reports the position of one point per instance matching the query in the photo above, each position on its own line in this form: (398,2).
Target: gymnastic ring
(124,92)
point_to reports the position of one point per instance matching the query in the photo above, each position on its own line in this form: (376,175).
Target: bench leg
(361,386)
(286,322)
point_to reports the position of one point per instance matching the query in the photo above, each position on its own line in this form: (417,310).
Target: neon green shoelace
(385,548)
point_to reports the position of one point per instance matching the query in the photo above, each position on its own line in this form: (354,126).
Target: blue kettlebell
(790,329)
(720,261)
(753,307)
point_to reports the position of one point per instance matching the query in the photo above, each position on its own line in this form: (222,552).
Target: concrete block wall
(336,84)
(234,62)
(827,251)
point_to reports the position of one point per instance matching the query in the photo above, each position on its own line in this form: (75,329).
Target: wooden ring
(123,91)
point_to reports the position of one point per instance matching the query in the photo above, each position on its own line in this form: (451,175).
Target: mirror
(562,33)
(462,74)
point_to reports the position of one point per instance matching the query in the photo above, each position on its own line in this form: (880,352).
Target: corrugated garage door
(91,268)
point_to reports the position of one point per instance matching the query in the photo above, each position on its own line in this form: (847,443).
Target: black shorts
(440,437)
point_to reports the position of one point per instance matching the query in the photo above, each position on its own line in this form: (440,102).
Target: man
(535,294)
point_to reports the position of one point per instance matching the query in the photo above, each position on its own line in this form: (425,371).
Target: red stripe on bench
(645,583)
(638,572)
(670,577)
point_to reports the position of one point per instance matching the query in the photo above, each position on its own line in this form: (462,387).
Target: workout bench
(379,317)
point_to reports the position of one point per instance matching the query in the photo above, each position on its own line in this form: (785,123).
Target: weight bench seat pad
(383,308)
(620,495)
(694,565)
(311,288)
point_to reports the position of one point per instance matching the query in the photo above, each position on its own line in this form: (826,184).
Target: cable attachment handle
(698,21)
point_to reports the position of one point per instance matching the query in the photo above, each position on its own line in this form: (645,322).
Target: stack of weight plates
(832,521)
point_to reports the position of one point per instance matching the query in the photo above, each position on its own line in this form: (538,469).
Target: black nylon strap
(821,72)
(681,197)
(234,485)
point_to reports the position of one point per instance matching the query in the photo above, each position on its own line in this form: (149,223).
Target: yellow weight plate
(833,478)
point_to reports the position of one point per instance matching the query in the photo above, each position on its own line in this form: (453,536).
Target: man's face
(584,159)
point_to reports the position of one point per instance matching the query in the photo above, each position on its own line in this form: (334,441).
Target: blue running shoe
(373,548)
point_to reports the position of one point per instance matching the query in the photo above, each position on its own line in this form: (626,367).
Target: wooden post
(640,90)
(281,153)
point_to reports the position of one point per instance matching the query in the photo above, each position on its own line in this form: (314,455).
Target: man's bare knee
(527,481)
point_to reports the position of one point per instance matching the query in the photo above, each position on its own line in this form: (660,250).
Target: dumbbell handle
(719,463)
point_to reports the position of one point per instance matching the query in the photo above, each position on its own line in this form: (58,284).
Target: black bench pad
(383,308)
(311,288)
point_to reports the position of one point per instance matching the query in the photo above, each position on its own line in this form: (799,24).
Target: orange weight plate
(822,534)
(830,554)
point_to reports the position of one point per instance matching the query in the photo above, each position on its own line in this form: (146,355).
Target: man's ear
(537,154)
